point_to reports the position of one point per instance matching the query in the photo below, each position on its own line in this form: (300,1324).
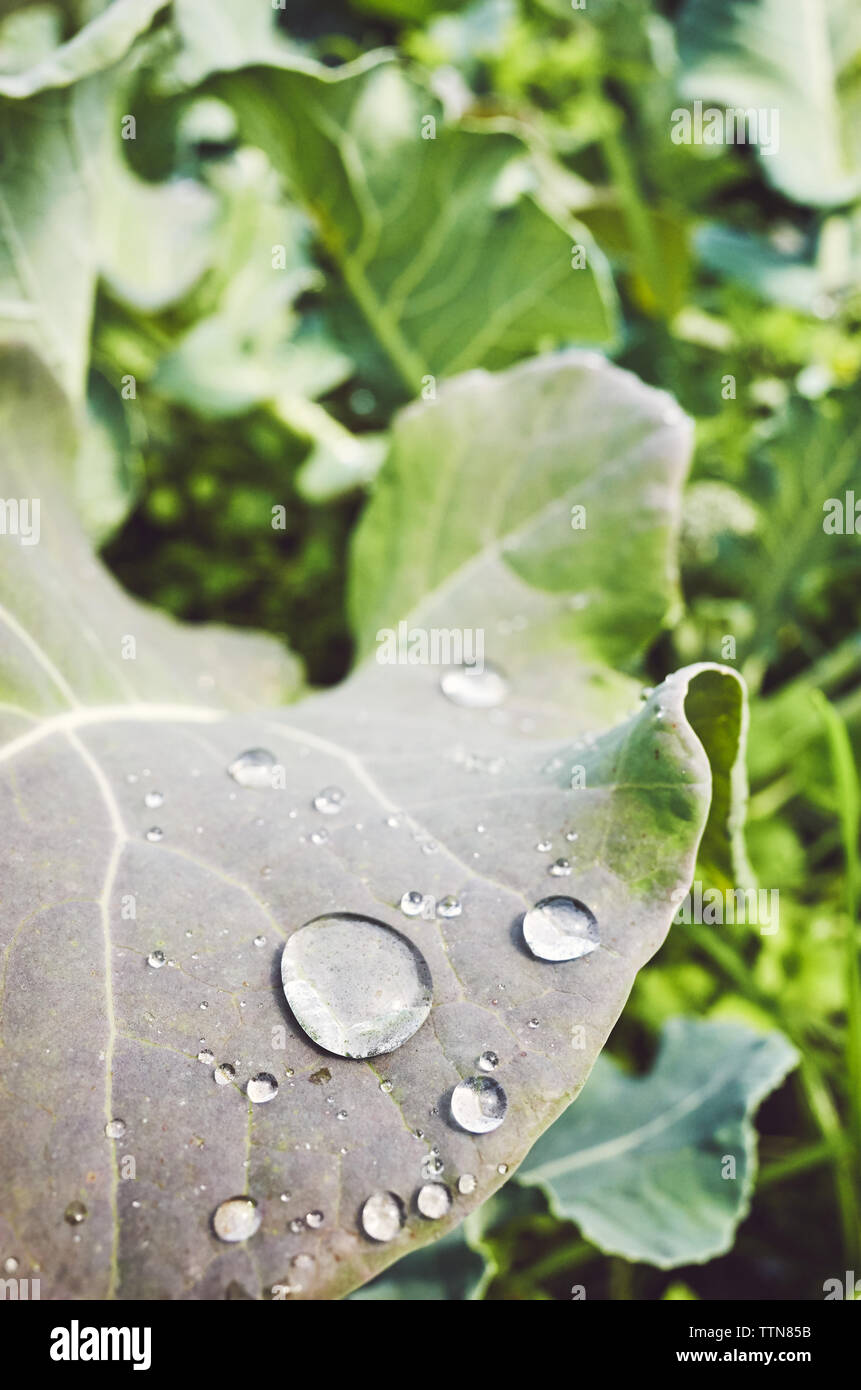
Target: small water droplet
(467,1183)
(156,959)
(261,1088)
(154,834)
(224,1074)
(296,1225)
(206,1057)
(432,1165)
(571,836)
(236,1219)
(314,1219)
(260,941)
(448,907)
(412,903)
(75,1213)
(487,1061)
(433,1200)
(382,1216)
(254,768)
(474,687)
(560,928)
(115,1129)
(502,1168)
(478,1104)
(10,1264)
(329,801)
(356,986)
(534,1023)
(153,800)
(341,1115)
(560,868)
(319,837)
(386,1087)
(543,846)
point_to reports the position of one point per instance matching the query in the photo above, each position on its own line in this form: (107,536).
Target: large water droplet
(236,1219)
(356,986)
(253,768)
(433,1200)
(474,687)
(382,1216)
(478,1104)
(560,929)
(262,1087)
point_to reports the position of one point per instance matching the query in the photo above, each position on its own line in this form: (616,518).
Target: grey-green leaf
(105,703)
(661,1168)
(796,61)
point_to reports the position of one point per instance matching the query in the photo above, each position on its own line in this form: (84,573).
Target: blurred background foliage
(737,288)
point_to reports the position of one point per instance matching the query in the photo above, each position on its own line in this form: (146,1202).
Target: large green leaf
(800,58)
(426,234)
(437,798)
(661,1168)
(97,46)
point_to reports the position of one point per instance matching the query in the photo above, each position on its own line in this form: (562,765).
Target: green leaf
(640,1163)
(437,798)
(448,1271)
(99,45)
(427,239)
(799,58)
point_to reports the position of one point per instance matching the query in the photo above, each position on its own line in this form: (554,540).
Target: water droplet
(474,687)
(356,986)
(433,1200)
(260,941)
(382,1216)
(571,836)
(115,1129)
(204,1005)
(153,800)
(319,837)
(224,1074)
(10,1265)
(478,1104)
(543,846)
(386,1087)
(341,1115)
(296,1225)
(412,903)
(560,868)
(502,1168)
(206,1057)
(432,1165)
(467,1183)
(319,1078)
(75,1213)
(314,1219)
(253,768)
(236,1219)
(156,959)
(487,1061)
(329,801)
(262,1087)
(448,907)
(534,1023)
(560,929)
(154,834)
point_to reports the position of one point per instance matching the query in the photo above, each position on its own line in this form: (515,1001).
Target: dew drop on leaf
(115,1129)
(156,959)
(487,1061)
(474,687)
(356,986)
(329,801)
(261,1088)
(236,1219)
(224,1074)
(467,1183)
(154,834)
(206,1057)
(153,800)
(478,1104)
(560,868)
(253,768)
(314,1219)
(382,1216)
(448,907)
(75,1213)
(433,1200)
(560,928)
(412,903)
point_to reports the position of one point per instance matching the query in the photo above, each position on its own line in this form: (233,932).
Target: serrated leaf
(436,798)
(640,1163)
(796,57)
